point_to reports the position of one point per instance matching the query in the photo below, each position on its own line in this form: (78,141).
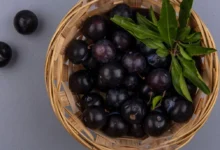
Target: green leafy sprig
(171,36)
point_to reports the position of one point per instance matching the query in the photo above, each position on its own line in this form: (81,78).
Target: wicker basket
(64,103)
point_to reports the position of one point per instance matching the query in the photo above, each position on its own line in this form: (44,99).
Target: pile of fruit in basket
(141,70)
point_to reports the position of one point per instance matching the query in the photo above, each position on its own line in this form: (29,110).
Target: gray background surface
(27,121)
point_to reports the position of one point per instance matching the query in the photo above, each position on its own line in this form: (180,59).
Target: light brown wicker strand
(57,71)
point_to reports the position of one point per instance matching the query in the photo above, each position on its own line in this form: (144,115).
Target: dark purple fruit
(156,123)
(115,126)
(81,82)
(159,80)
(77,51)
(90,100)
(131,81)
(25,22)
(134,62)
(179,109)
(169,103)
(146,92)
(137,130)
(158,62)
(115,98)
(134,111)
(122,40)
(5,54)
(104,51)
(95,27)
(90,62)
(111,75)
(121,10)
(94,117)
(144,50)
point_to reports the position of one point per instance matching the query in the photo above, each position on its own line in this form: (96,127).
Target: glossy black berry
(95,27)
(90,100)
(5,54)
(121,10)
(115,126)
(122,40)
(134,110)
(159,80)
(179,109)
(115,98)
(25,22)
(111,75)
(90,62)
(94,117)
(131,81)
(134,62)
(169,103)
(158,62)
(146,92)
(81,82)
(156,124)
(104,51)
(144,50)
(77,51)
(137,130)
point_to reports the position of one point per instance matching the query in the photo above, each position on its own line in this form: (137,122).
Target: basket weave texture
(64,103)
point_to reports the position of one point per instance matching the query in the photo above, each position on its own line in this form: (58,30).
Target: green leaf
(193,37)
(184,54)
(138,31)
(167,24)
(190,72)
(176,71)
(153,16)
(198,43)
(154,44)
(184,88)
(198,50)
(142,20)
(162,52)
(183,33)
(156,100)
(185,11)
